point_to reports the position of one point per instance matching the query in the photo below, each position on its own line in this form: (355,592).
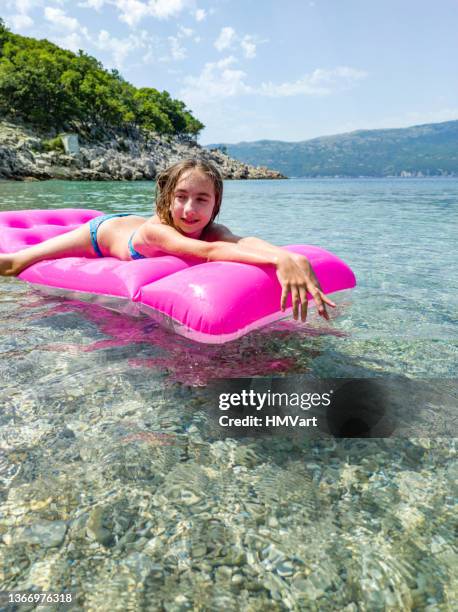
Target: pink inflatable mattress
(211,302)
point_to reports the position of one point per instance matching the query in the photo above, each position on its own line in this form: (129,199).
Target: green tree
(55,88)
(149,113)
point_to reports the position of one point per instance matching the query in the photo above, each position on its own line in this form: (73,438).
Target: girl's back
(113,235)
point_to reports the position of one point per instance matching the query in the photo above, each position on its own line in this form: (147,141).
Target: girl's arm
(293,271)
(286,270)
(159,239)
(221,232)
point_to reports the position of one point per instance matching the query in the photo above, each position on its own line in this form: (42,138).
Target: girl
(188,198)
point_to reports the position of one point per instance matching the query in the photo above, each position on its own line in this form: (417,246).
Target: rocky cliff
(25,155)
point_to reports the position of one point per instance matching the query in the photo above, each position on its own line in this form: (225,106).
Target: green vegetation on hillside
(51,88)
(423,150)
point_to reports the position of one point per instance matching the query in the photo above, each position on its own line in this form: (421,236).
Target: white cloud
(177,52)
(228,38)
(67,32)
(57,17)
(163,9)
(149,57)
(22,6)
(225,39)
(19,21)
(217,80)
(343,72)
(319,82)
(72,42)
(184,32)
(200,14)
(95,4)
(120,48)
(248,46)
(220,80)
(133,11)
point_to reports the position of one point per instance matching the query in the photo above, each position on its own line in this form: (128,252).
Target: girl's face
(193,201)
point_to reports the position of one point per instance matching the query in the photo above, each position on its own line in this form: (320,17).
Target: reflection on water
(113,487)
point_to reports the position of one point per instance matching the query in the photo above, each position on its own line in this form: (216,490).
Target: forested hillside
(423,150)
(54,89)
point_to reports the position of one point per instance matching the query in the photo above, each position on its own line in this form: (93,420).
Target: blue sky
(255,69)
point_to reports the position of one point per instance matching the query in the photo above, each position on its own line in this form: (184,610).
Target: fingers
(298,286)
(321,300)
(304,304)
(296,298)
(284,296)
(327,300)
(298,301)
(319,297)
(319,303)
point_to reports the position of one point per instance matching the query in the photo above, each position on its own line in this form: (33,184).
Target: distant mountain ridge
(421,150)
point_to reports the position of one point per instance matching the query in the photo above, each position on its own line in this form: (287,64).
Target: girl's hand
(296,275)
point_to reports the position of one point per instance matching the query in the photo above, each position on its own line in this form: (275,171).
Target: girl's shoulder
(154,219)
(218,231)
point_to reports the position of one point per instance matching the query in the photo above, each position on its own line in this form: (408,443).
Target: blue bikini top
(133,253)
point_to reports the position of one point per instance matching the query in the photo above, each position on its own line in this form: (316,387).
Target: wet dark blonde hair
(167,180)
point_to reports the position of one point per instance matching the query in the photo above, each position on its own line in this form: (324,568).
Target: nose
(189,206)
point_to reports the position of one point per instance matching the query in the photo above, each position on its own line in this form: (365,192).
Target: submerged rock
(96,528)
(45,534)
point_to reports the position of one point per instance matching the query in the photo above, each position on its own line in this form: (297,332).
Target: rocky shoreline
(23,156)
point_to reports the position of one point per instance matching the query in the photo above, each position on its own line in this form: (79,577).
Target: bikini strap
(133,253)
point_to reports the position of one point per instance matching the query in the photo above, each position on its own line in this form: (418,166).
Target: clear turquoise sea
(113,485)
